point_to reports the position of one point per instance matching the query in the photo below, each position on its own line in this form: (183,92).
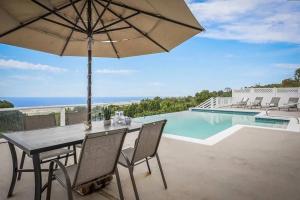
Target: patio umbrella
(101,28)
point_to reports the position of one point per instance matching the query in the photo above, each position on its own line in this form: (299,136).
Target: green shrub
(6,104)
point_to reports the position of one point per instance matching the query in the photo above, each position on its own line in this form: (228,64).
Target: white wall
(266,93)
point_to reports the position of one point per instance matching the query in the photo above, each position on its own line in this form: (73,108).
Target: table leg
(37,177)
(14,170)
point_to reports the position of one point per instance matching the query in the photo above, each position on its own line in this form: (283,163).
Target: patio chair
(273,103)
(40,122)
(98,160)
(71,119)
(145,148)
(256,103)
(75,117)
(292,103)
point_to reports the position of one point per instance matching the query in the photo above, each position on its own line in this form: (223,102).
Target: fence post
(62,117)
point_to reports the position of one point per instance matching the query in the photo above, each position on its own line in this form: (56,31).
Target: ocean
(53,101)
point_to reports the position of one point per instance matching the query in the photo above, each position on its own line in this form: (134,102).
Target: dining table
(35,142)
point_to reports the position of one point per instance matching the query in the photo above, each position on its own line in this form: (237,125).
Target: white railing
(39,110)
(223,101)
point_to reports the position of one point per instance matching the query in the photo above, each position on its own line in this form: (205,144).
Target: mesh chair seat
(128,153)
(55,153)
(71,170)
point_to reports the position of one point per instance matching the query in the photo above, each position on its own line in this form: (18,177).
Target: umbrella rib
(137,29)
(111,42)
(102,13)
(64,25)
(156,15)
(55,13)
(69,37)
(116,22)
(78,14)
(34,20)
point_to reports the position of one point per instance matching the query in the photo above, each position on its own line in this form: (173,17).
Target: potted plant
(106,115)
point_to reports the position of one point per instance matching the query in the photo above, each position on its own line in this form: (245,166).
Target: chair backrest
(75,117)
(293,100)
(99,155)
(39,122)
(275,101)
(258,100)
(148,140)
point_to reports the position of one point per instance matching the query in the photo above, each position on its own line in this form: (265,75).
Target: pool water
(201,125)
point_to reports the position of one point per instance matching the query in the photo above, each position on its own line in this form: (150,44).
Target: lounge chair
(39,122)
(273,103)
(292,103)
(237,103)
(256,103)
(145,148)
(242,103)
(98,161)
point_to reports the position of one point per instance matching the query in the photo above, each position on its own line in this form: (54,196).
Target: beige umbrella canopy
(101,28)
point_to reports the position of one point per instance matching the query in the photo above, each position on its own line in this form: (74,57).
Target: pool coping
(292,126)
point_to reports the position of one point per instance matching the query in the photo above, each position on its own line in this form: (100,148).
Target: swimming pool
(202,124)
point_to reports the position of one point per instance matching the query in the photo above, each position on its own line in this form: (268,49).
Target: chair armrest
(64,170)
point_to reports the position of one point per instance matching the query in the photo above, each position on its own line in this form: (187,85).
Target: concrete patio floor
(250,164)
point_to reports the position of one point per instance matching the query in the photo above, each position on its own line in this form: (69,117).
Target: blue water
(201,125)
(51,101)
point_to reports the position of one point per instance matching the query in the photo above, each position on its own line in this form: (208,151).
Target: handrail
(205,104)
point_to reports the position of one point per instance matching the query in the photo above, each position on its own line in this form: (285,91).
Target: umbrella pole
(89,94)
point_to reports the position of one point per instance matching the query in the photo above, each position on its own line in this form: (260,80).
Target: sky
(246,42)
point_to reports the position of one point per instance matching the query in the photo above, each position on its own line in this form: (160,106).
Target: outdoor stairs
(209,103)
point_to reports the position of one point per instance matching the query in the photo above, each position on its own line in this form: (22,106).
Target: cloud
(249,20)
(115,71)
(288,65)
(15,64)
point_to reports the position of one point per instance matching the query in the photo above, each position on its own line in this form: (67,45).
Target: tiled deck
(250,164)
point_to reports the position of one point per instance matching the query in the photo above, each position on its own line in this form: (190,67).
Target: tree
(290,83)
(202,96)
(297,75)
